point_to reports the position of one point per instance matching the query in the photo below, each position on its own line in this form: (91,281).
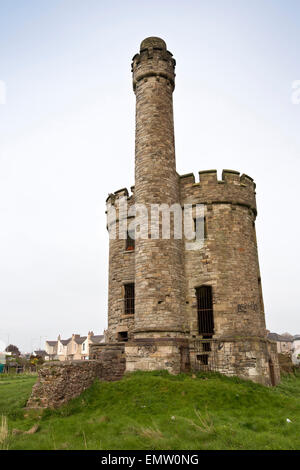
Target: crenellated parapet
(154,60)
(113,198)
(232,189)
(118,205)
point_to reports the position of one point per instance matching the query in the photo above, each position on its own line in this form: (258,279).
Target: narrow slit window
(129,299)
(205,310)
(130,241)
(200,228)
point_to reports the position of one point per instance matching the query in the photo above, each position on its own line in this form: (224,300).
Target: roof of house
(80,340)
(40,352)
(97,338)
(277,337)
(52,343)
(64,342)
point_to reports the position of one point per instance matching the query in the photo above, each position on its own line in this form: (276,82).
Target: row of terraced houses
(74,348)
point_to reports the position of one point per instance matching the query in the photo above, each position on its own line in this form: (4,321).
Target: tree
(13,349)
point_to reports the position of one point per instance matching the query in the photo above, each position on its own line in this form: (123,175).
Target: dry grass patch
(202,423)
(4,433)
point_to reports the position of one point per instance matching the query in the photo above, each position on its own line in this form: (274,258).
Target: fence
(8,369)
(209,354)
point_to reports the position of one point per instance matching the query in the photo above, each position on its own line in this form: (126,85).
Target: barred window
(205,310)
(129,299)
(203,359)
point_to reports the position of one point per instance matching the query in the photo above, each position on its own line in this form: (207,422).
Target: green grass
(154,410)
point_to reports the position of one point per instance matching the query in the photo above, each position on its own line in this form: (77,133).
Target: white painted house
(90,339)
(72,349)
(62,348)
(296,350)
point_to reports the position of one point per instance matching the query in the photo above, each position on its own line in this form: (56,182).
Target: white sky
(67,140)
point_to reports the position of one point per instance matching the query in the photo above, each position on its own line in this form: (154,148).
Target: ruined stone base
(112,359)
(249,358)
(170,354)
(59,382)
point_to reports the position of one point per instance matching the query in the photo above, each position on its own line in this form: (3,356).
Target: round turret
(154,60)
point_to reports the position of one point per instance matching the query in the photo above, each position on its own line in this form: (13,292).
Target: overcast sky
(67,140)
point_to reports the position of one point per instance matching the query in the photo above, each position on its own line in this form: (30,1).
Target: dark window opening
(203,359)
(205,310)
(200,228)
(129,299)
(123,336)
(130,241)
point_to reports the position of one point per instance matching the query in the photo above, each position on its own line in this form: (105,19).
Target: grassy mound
(154,410)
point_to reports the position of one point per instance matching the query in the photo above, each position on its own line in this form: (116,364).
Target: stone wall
(285,363)
(59,382)
(250,358)
(121,272)
(228,261)
(112,359)
(171,354)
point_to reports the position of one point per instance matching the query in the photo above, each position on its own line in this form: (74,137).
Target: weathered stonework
(163,333)
(121,271)
(248,357)
(112,359)
(170,354)
(159,278)
(59,382)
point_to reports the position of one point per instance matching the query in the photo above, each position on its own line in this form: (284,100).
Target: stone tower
(174,305)
(158,263)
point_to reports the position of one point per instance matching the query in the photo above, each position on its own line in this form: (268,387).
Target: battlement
(210,177)
(233,188)
(153,60)
(123,192)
